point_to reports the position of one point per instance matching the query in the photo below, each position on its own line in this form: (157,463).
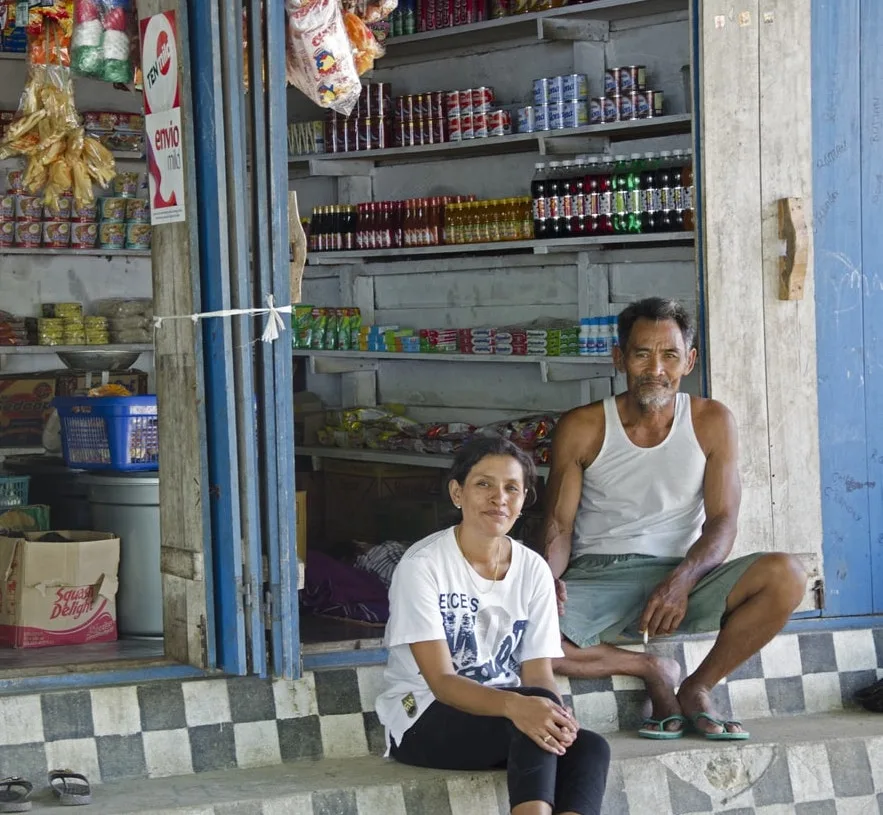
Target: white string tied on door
(272,328)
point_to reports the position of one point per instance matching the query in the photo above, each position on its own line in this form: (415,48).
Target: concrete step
(830,763)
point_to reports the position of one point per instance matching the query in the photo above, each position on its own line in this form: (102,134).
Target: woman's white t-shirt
(490,627)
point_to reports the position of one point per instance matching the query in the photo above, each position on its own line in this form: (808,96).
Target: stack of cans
(626,97)
(473,114)
(420,118)
(559,103)
(368,127)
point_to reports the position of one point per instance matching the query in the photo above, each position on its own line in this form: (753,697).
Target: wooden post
(179,389)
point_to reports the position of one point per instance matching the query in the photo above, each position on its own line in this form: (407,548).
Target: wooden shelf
(444,357)
(440,462)
(16,55)
(13,350)
(432,44)
(547,143)
(110,253)
(498,248)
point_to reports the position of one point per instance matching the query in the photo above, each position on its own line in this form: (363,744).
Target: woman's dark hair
(656,309)
(474,451)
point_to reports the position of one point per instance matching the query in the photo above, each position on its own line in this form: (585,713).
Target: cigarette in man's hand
(646,636)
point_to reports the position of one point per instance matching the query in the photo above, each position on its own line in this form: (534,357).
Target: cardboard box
(58,593)
(26,399)
(300,510)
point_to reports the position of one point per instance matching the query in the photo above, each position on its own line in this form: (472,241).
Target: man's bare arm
(564,490)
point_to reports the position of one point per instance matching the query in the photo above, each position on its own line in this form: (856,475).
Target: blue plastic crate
(13,490)
(109,433)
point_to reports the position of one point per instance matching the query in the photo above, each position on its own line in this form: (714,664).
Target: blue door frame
(847,74)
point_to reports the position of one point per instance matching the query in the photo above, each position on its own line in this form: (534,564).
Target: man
(641,511)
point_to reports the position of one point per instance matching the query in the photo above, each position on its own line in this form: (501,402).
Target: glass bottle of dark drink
(539,193)
(554,198)
(665,182)
(649,193)
(605,189)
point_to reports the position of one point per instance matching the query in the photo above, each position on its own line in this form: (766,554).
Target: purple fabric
(339,590)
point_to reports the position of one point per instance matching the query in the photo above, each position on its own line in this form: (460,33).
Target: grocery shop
(278,278)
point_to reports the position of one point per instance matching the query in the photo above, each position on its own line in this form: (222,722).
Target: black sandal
(15,794)
(72,789)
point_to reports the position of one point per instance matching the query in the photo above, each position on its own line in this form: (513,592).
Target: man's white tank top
(642,500)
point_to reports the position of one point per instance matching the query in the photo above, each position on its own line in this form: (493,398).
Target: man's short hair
(656,309)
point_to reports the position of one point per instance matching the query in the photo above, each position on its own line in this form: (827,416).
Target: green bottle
(620,187)
(633,186)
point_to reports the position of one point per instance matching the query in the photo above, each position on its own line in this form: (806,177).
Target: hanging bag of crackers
(105,40)
(47,133)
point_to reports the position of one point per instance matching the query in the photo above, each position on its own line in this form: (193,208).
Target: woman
(472,631)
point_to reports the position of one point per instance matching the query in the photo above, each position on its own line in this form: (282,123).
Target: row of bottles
(499,219)
(600,195)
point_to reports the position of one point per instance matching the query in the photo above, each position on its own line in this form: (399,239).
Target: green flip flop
(656,729)
(726,735)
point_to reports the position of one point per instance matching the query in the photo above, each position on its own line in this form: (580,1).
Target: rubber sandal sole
(726,735)
(15,794)
(74,790)
(658,731)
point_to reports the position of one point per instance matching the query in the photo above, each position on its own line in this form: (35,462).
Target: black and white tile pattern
(173,728)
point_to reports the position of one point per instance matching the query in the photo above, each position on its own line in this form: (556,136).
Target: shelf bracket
(567,372)
(574,30)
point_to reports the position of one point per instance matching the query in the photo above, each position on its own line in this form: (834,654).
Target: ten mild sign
(162,120)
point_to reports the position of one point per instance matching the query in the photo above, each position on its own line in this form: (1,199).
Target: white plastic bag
(320,57)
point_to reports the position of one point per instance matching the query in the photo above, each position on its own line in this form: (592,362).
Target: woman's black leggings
(449,739)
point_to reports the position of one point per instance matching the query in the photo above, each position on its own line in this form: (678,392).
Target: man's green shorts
(606,595)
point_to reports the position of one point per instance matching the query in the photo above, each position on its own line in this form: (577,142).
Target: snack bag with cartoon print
(320,57)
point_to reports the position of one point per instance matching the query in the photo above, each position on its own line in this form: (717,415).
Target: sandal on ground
(15,795)
(655,728)
(72,789)
(726,735)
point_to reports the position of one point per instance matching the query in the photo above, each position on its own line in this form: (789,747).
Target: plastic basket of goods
(13,490)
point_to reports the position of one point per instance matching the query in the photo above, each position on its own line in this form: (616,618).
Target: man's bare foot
(661,679)
(694,699)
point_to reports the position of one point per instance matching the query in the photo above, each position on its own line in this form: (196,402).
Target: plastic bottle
(526,219)
(540,194)
(567,191)
(612,325)
(649,193)
(619,185)
(592,189)
(688,192)
(554,198)
(635,208)
(665,183)
(605,186)
(585,336)
(578,224)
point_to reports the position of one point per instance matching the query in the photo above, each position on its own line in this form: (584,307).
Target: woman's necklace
(471,569)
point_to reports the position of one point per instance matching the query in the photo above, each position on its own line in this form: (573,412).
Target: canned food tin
(499,123)
(363,133)
(28,208)
(541,118)
(641,100)
(466,126)
(138,236)
(440,130)
(482,99)
(479,125)
(404,107)
(541,91)
(466,101)
(556,90)
(84,236)
(596,110)
(576,87)
(634,100)
(452,103)
(351,133)
(611,81)
(427,130)
(624,106)
(632,78)
(28,233)
(15,181)
(576,114)
(611,109)
(7,233)
(437,105)
(379,98)
(56,234)
(422,104)
(417,132)
(654,99)
(455,128)
(7,207)
(556,116)
(526,119)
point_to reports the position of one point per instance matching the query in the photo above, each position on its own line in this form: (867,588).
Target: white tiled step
(832,762)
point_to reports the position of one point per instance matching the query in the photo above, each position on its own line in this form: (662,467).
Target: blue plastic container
(110,433)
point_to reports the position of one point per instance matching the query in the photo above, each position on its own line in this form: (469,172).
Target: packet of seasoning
(318,322)
(331,327)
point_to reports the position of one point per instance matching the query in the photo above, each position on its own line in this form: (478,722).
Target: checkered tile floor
(172,728)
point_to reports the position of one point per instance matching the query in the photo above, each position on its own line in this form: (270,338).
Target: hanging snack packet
(320,58)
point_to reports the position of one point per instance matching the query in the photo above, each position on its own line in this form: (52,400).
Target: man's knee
(786,574)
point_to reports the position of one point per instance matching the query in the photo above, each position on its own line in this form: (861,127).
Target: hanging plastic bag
(320,57)
(365,46)
(104,43)
(371,11)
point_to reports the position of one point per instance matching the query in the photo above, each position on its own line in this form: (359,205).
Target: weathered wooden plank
(872,251)
(789,326)
(473,316)
(839,283)
(553,285)
(730,84)
(632,281)
(179,391)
